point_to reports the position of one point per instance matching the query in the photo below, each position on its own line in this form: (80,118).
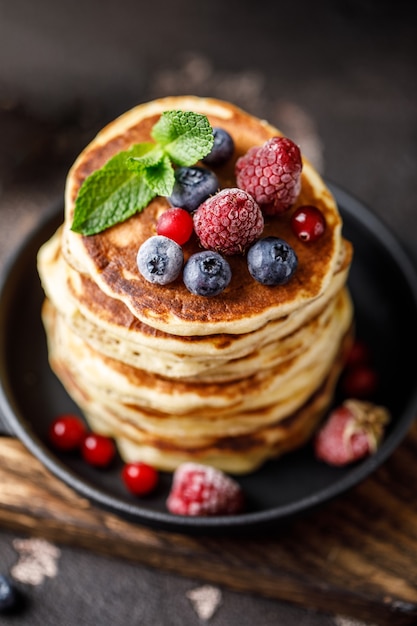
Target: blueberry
(272,261)
(222,150)
(160,260)
(192,186)
(206,273)
(8,594)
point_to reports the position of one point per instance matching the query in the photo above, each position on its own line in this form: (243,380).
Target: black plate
(384,288)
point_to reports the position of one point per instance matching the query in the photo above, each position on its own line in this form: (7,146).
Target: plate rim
(21,427)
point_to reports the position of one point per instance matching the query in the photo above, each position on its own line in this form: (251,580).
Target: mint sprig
(127,183)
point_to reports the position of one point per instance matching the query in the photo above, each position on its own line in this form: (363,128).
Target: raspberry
(200,490)
(352,431)
(271,174)
(228,221)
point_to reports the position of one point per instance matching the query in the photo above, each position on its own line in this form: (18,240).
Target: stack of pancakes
(230,380)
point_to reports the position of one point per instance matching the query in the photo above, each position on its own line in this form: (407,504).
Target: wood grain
(356,556)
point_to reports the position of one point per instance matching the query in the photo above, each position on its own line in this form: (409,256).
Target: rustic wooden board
(356,556)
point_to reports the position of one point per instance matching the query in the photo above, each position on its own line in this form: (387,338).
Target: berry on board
(175,223)
(308,223)
(160,260)
(206,273)
(271,174)
(222,150)
(200,490)
(67,432)
(98,450)
(8,594)
(352,431)
(192,186)
(229,221)
(271,261)
(139,478)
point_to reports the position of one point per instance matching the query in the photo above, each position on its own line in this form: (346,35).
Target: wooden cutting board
(357,556)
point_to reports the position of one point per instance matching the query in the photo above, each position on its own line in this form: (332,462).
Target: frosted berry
(308,223)
(352,431)
(98,450)
(139,478)
(160,260)
(206,273)
(192,186)
(8,594)
(222,150)
(359,381)
(271,174)
(271,261)
(229,221)
(199,490)
(67,432)
(175,223)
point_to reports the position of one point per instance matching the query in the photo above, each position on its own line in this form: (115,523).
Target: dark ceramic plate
(384,288)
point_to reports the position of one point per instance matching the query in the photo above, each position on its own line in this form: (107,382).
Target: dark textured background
(338,77)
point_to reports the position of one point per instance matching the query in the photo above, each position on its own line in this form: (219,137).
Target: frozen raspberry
(271,174)
(200,490)
(228,221)
(353,430)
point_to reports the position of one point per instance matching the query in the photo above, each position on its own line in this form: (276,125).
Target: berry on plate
(271,174)
(200,490)
(8,594)
(352,431)
(160,260)
(98,450)
(67,432)
(360,381)
(222,150)
(271,261)
(192,186)
(175,223)
(229,221)
(308,223)
(206,273)
(139,478)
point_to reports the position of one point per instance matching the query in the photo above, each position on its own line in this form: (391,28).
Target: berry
(206,273)
(359,354)
(98,450)
(67,432)
(175,223)
(199,490)
(228,221)
(271,261)
(192,186)
(8,594)
(360,381)
(352,431)
(308,223)
(271,174)
(139,478)
(222,150)
(160,260)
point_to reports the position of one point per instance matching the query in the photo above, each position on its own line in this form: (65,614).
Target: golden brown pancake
(230,380)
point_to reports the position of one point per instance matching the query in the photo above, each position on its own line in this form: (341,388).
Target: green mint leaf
(185,136)
(160,177)
(152,155)
(111,195)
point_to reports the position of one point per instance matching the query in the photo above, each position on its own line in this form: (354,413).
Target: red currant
(139,478)
(308,223)
(359,354)
(175,223)
(360,382)
(98,450)
(67,432)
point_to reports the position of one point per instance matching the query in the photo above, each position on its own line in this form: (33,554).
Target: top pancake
(109,258)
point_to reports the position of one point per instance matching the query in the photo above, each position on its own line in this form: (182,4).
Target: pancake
(230,380)
(109,258)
